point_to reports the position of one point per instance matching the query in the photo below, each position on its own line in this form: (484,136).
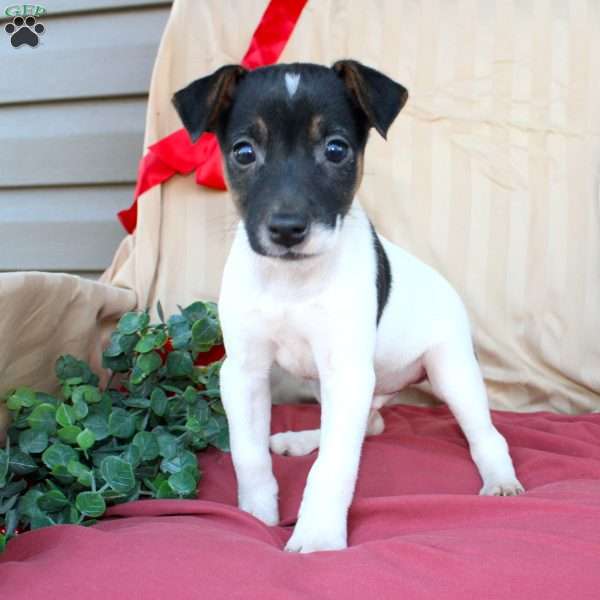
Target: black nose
(287,229)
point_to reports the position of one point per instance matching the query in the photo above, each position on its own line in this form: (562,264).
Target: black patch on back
(383,279)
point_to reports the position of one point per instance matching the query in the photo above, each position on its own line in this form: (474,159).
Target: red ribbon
(176,153)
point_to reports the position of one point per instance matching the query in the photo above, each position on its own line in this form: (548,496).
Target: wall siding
(72,113)
(84,55)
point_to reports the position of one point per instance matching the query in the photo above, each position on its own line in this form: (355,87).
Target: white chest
(291,334)
(295,355)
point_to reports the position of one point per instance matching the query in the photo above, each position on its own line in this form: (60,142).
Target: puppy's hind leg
(300,443)
(456,378)
(295,443)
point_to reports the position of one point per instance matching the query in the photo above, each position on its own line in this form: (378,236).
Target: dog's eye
(243,152)
(336,151)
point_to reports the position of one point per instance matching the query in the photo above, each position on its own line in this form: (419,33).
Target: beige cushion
(44,315)
(490,173)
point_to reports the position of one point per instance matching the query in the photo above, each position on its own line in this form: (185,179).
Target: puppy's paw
(304,542)
(511,487)
(375,424)
(315,535)
(295,443)
(262,503)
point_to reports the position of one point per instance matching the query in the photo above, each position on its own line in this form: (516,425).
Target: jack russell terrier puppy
(310,285)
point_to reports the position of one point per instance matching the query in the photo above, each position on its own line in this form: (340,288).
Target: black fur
(291,175)
(380,98)
(383,280)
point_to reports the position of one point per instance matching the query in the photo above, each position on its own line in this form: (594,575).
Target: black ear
(378,96)
(202,101)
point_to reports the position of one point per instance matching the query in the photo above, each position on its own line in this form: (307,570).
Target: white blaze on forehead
(292,80)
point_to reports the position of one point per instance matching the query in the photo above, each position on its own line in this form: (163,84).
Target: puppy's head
(292,138)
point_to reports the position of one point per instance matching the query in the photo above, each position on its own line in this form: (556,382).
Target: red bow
(176,153)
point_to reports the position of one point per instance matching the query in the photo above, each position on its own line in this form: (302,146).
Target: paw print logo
(24,31)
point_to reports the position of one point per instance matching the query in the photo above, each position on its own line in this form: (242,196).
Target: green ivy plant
(69,456)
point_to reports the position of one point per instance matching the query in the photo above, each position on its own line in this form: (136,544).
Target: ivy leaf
(132,322)
(217,433)
(151,341)
(132,455)
(61,474)
(200,410)
(90,504)
(159,310)
(11,520)
(179,364)
(137,376)
(118,474)
(98,425)
(89,394)
(86,439)
(20,463)
(80,409)
(182,459)
(128,342)
(42,418)
(197,441)
(204,334)
(41,520)
(121,424)
(69,514)
(65,415)
(52,501)
(158,401)
(14,487)
(41,397)
(58,455)
(213,309)
(167,445)
(175,408)
(179,331)
(114,348)
(137,402)
(3,467)
(213,426)
(183,483)
(119,364)
(80,472)
(28,503)
(221,440)
(69,434)
(22,397)
(164,490)
(218,408)
(148,363)
(147,444)
(175,389)
(194,312)
(192,424)
(68,367)
(33,441)
(190,394)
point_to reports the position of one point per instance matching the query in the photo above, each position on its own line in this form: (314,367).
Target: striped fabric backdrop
(490,174)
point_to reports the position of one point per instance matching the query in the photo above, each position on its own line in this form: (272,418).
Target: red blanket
(417,527)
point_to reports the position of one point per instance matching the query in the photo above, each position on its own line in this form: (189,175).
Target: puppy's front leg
(246,397)
(346,395)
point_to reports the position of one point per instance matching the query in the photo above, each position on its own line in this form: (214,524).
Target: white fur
(292,81)
(316,318)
